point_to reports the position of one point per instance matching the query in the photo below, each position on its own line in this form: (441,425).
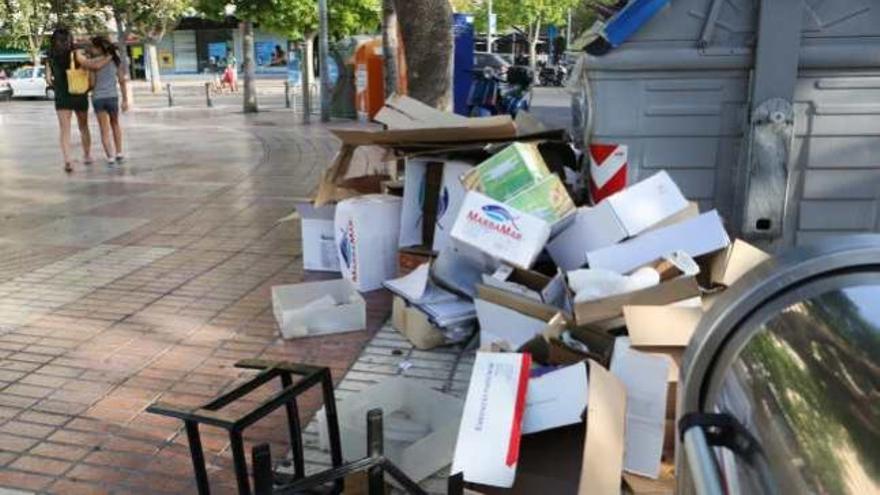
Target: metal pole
(568,31)
(208,99)
(375,448)
(490,33)
(170,95)
(287,94)
(701,463)
(323,53)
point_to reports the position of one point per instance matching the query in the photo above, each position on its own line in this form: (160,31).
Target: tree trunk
(153,66)
(426,29)
(308,73)
(389,46)
(533,49)
(122,32)
(250,84)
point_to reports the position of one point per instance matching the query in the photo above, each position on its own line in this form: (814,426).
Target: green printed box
(548,200)
(508,172)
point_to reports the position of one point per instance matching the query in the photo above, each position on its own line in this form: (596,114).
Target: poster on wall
(217,51)
(166,59)
(264,50)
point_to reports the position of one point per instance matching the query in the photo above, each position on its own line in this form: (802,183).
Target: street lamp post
(490,29)
(323,53)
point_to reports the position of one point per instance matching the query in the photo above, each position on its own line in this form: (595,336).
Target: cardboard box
(318,242)
(489,229)
(556,399)
(413,324)
(529,284)
(504,326)
(624,214)
(645,378)
(487,449)
(367,229)
(671,291)
(458,272)
(420,425)
(602,462)
(432,196)
(508,172)
(318,308)
(696,237)
(734,262)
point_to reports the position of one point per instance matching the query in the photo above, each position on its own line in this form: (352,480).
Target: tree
(295,19)
(426,30)
(26,25)
(528,17)
(149,19)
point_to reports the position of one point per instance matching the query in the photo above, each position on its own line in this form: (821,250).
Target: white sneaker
(111,162)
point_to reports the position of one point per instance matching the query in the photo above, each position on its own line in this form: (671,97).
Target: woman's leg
(64,127)
(117,131)
(106,140)
(82,118)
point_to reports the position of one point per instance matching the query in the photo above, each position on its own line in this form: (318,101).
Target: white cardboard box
(696,237)
(487,228)
(420,425)
(317,308)
(645,376)
(449,197)
(452,194)
(367,229)
(487,450)
(556,399)
(500,324)
(621,215)
(319,248)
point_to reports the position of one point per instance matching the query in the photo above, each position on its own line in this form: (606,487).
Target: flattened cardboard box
(415,326)
(671,291)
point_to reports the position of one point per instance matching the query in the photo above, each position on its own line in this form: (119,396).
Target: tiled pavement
(120,286)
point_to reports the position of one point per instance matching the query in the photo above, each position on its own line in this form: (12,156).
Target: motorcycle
(492,95)
(552,75)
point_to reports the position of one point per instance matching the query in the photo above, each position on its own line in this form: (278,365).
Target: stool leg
(295,431)
(332,425)
(240,462)
(198,457)
(375,448)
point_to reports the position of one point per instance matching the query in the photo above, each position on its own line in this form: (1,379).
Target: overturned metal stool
(265,480)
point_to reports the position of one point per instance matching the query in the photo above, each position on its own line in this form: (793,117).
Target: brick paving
(120,286)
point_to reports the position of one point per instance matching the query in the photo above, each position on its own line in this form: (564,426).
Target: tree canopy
(297,18)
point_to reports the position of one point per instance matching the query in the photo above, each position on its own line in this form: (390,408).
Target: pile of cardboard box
(576,308)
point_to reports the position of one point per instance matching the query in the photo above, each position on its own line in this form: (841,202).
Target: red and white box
(608,168)
(487,450)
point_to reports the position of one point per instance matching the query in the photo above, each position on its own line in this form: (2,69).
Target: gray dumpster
(766,110)
(782,378)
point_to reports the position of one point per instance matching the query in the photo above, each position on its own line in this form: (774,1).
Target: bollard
(170,95)
(287,94)
(208,99)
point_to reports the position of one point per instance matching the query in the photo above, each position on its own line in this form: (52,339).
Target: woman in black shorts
(66,103)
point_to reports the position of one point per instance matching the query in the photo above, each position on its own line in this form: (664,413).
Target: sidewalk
(148,280)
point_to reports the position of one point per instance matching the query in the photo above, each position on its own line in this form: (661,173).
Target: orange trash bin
(369,79)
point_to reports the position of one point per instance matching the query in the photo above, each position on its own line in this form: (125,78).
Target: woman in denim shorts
(105,99)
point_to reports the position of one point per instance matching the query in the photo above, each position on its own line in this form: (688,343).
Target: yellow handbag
(77,79)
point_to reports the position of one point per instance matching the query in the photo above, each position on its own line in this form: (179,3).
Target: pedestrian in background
(61,57)
(109,79)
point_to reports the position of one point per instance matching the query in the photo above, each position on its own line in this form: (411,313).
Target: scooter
(490,95)
(552,75)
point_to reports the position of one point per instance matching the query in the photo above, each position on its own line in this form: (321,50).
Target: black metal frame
(210,414)
(265,480)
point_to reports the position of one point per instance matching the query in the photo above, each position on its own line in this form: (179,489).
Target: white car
(27,82)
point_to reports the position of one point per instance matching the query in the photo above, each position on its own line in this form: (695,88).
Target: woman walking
(61,57)
(105,98)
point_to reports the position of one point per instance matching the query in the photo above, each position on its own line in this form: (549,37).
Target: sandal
(68,167)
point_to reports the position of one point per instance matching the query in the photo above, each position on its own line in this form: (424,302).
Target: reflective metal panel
(806,384)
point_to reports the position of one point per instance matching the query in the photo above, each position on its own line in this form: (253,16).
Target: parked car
(28,82)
